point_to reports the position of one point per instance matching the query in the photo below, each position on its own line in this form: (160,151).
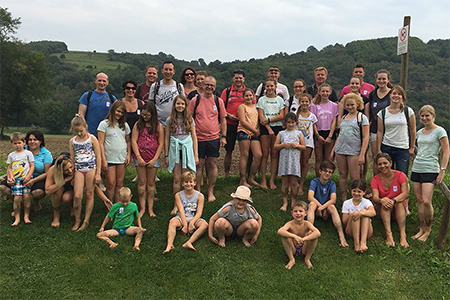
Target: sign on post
(402,42)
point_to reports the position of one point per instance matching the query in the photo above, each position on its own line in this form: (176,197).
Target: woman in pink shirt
(390,191)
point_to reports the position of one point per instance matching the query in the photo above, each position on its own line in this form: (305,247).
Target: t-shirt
(235,98)
(123,216)
(115,146)
(429,145)
(305,125)
(349,141)
(40,160)
(235,218)
(206,118)
(271,108)
(20,162)
(312,90)
(97,109)
(377,104)
(143,91)
(365,90)
(325,114)
(322,192)
(295,105)
(348,207)
(180,133)
(281,91)
(164,99)
(396,128)
(395,188)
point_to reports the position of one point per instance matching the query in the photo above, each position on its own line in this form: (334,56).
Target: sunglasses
(189,74)
(298,86)
(130,88)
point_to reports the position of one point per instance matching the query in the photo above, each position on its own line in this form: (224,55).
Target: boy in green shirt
(123,213)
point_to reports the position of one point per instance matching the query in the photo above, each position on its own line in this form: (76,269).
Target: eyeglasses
(298,86)
(130,88)
(274,70)
(146,115)
(208,84)
(189,74)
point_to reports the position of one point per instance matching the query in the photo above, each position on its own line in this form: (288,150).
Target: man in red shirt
(143,89)
(233,96)
(209,115)
(365,89)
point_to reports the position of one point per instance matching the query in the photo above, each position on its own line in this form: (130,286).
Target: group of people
(189,121)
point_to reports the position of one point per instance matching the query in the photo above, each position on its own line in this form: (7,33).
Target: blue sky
(225,30)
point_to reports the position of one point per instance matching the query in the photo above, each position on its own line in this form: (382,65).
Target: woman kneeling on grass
(59,185)
(356,214)
(390,189)
(236,218)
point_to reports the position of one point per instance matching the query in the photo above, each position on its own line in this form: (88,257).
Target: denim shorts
(400,158)
(243,136)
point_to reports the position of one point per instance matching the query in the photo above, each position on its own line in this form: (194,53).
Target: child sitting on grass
(189,203)
(237,218)
(20,168)
(322,199)
(356,214)
(299,237)
(123,213)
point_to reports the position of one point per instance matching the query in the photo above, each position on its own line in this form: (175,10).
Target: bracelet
(395,200)
(268,120)
(444,169)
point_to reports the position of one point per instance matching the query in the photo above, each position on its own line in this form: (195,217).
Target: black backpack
(158,85)
(88,99)
(197,102)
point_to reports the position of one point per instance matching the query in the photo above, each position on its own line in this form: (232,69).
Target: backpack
(291,100)
(227,93)
(359,118)
(197,102)
(158,85)
(89,96)
(405,111)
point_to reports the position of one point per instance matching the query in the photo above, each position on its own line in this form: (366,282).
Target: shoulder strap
(263,88)
(291,100)
(89,96)
(216,100)
(180,91)
(157,85)
(197,101)
(227,93)
(406,112)
(383,117)
(138,91)
(111,97)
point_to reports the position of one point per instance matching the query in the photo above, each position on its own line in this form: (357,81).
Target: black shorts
(424,177)
(68,186)
(326,133)
(209,148)
(276,130)
(231,136)
(40,185)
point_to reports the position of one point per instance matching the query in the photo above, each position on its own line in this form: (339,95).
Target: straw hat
(242,192)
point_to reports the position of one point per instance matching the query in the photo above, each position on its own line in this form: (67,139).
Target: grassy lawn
(40,262)
(95,60)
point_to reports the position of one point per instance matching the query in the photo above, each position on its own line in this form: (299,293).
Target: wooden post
(405,57)
(440,243)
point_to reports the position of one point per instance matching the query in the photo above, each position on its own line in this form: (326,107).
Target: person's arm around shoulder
(198,213)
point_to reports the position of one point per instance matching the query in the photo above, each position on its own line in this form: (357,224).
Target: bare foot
(211,197)
(84,226)
(404,243)
(168,249)
(221,242)
(418,235)
(76,225)
(16,222)
(357,248)
(264,186)
(364,248)
(283,207)
(27,221)
(273,186)
(56,223)
(113,245)
(308,264)
(137,248)
(188,245)
(151,214)
(343,243)
(246,242)
(290,264)
(247,185)
(253,181)
(424,236)
(174,211)
(390,240)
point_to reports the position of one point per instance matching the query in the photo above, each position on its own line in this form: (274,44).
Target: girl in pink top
(326,113)
(390,190)
(147,140)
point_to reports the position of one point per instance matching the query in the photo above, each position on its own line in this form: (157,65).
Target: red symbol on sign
(403,34)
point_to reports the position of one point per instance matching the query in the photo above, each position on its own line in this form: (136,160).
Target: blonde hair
(321,69)
(124,193)
(427,108)
(188,176)
(301,204)
(17,136)
(60,163)
(77,121)
(317,98)
(359,101)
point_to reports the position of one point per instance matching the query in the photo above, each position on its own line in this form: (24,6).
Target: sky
(224,30)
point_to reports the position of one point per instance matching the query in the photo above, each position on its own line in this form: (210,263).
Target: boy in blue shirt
(123,213)
(322,199)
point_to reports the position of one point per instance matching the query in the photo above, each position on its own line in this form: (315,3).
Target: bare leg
(290,250)
(176,185)
(293,183)
(27,208)
(142,188)
(174,223)
(138,233)
(400,216)
(104,236)
(111,183)
(386,218)
(343,174)
(284,192)
(311,212)
(354,230)
(247,231)
(151,188)
(56,204)
(374,149)
(37,195)
(16,206)
(90,183)
(304,159)
(202,226)
(308,249)
(256,162)
(337,224)
(77,198)
(265,148)
(273,163)
(201,164)
(222,228)
(244,147)
(318,153)
(428,212)
(227,162)
(120,178)
(366,232)
(211,166)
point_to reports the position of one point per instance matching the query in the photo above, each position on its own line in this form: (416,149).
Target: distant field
(90,60)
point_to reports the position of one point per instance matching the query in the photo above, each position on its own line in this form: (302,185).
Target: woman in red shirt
(390,191)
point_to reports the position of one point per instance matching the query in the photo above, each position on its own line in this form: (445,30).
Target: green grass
(92,60)
(41,262)
(10,129)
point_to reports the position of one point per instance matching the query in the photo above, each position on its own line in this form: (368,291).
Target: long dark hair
(38,135)
(183,78)
(151,108)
